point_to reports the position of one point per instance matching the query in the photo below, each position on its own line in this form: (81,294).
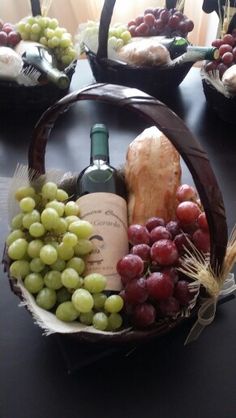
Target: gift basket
(151,52)
(178,261)
(219,77)
(37,60)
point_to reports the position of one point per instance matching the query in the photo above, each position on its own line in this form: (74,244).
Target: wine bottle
(101,196)
(180,47)
(43,60)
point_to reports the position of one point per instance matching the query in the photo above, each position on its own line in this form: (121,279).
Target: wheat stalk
(46,4)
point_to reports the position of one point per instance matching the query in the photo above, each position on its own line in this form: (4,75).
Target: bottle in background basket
(101,196)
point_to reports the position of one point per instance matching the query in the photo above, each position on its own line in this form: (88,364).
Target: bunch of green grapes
(47,246)
(47,31)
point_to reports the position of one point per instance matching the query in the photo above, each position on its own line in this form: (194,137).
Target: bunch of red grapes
(153,287)
(8,35)
(227,51)
(161,21)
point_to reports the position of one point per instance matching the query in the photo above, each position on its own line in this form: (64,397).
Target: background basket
(23,98)
(155,113)
(153,80)
(225,107)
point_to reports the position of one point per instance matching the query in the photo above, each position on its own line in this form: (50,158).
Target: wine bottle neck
(99,143)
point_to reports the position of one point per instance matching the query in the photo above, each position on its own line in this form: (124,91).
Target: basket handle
(158,114)
(35,7)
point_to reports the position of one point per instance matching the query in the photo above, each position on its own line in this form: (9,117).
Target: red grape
(160,232)
(141,29)
(142,250)
(211,66)
(148,11)
(179,14)
(157,12)
(7,27)
(130,266)
(217,43)
(1,24)
(136,291)
(160,286)
(159,25)
(201,240)
(222,68)
(172,272)
(182,292)
(169,307)
(149,19)
(13,38)
(174,228)
(227,58)
(153,222)
(144,315)
(229,39)
(186,192)
(187,212)
(164,252)
(3,38)
(189,25)
(225,48)
(132,30)
(138,20)
(173,22)
(182,241)
(132,23)
(202,221)
(234,53)
(164,15)
(138,234)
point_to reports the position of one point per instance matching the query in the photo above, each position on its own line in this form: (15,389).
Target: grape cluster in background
(227,51)
(161,21)
(8,35)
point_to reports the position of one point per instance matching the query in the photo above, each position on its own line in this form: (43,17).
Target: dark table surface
(163,378)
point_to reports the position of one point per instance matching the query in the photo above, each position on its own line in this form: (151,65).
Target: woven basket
(156,81)
(23,98)
(224,107)
(155,113)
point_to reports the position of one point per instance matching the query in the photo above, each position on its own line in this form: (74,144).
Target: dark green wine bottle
(180,47)
(100,176)
(101,196)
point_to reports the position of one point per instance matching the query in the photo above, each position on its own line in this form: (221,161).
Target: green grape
(126,36)
(17,233)
(48,254)
(43,40)
(95,282)
(18,249)
(70,278)
(34,248)
(27,204)
(53,24)
(53,243)
(61,194)
(16,222)
(66,59)
(99,300)
(59,265)
(36,28)
(83,229)
(34,282)
(63,295)
(61,226)
(41,21)
(27,29)
(24,36)
(67,312)
(86,318)
(21,26)
(70,239)
(58,206)
(100,321)
(30,218)
(119,43)
(65,252)
(114,304)
(49,218)
(71,218)
(83,247)
(34,37)
(25,191)
(31,20)
(36,265)
(52,279)
(49,33)
(77,264)
(19,269)
(65,40)
(114,321)
(112,42)
(36,230)
(49,190)
(71,208)
(46,298)
(82,300)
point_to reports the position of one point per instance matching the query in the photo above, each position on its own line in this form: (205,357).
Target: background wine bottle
(101,196)
(180,46)
(39,57)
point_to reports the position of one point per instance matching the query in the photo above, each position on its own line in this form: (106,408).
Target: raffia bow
(197,266)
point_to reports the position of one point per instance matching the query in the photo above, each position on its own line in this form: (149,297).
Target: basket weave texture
(155,113)
(156,81)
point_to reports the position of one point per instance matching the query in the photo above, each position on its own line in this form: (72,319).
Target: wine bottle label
(107,212)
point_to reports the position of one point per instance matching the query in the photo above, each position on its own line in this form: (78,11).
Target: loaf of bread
(144,51)
(152,173)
